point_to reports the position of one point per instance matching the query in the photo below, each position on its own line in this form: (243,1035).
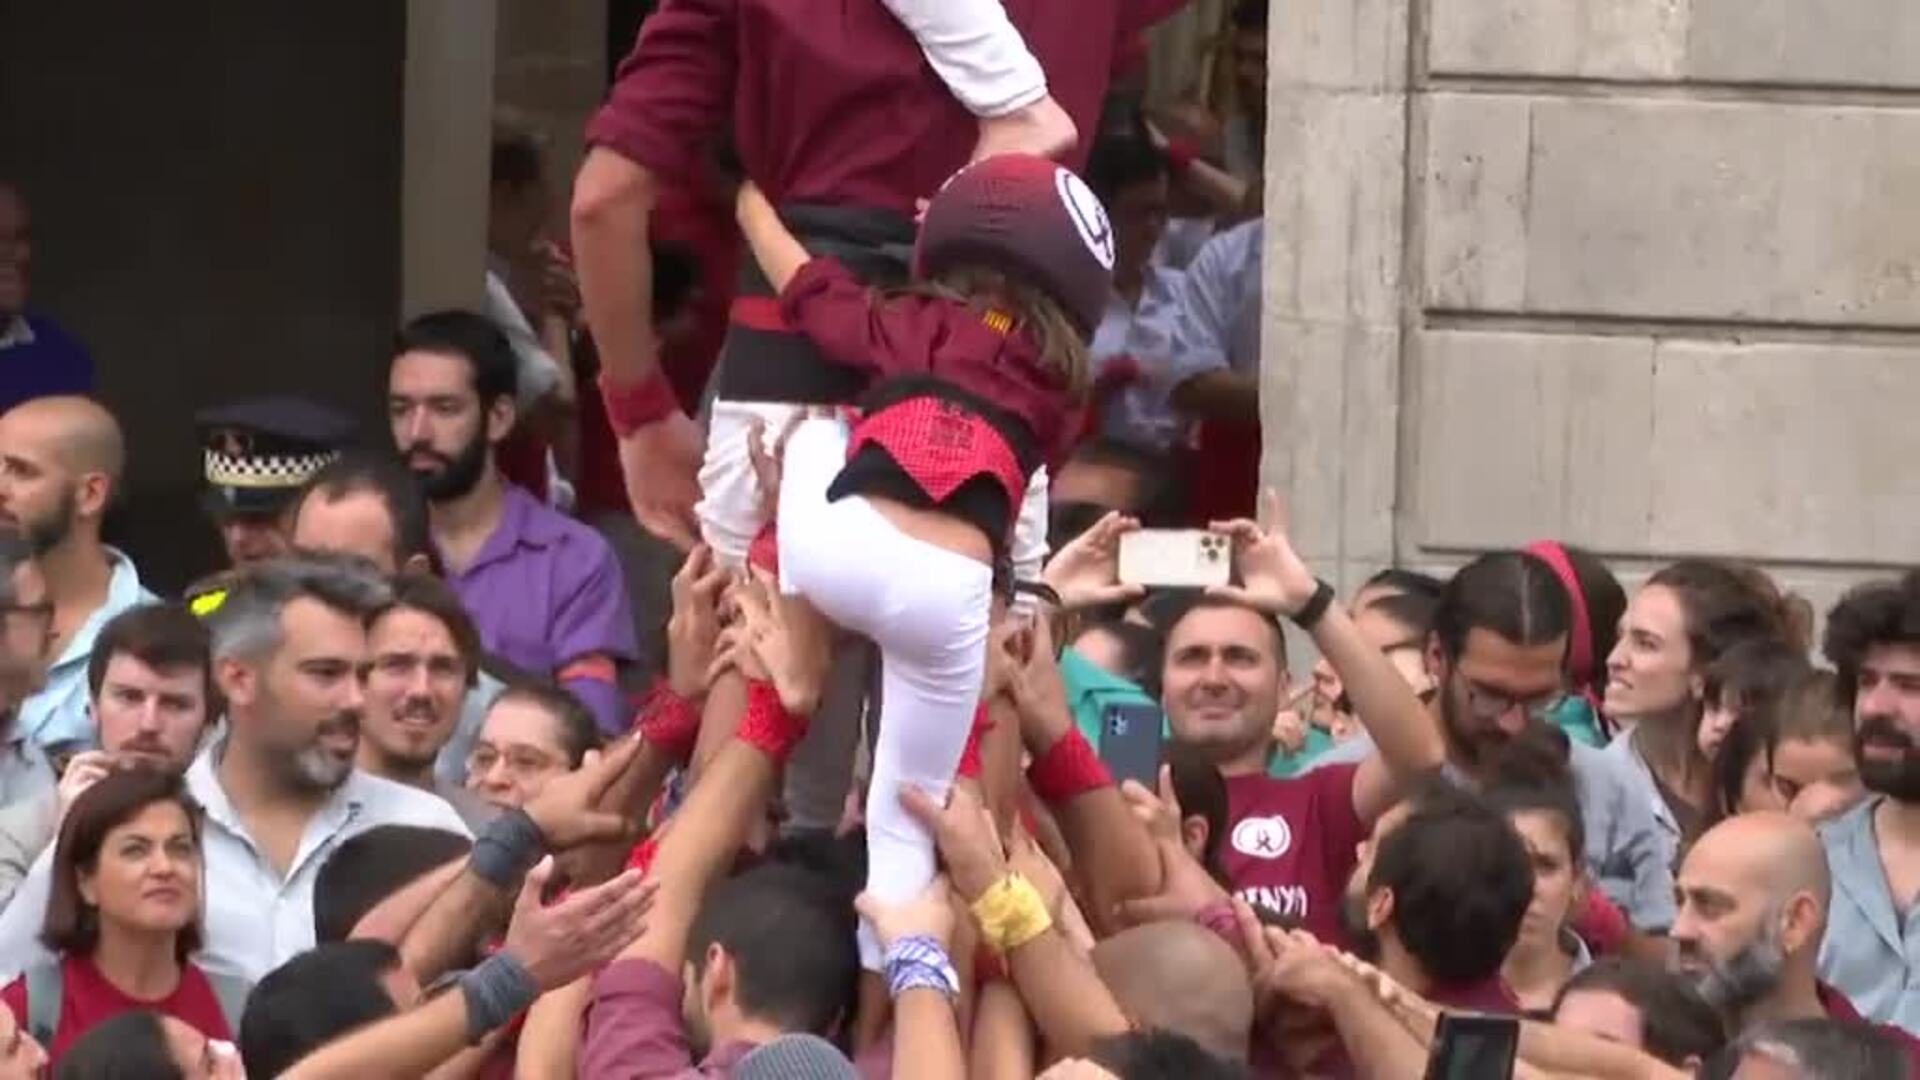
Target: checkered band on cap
(264,470)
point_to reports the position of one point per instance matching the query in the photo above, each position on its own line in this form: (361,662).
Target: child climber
(893,525)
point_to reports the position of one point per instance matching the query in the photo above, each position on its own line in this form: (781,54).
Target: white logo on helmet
(1083,206)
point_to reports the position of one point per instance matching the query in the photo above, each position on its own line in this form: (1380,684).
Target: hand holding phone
(1468,1047)
(1175,558)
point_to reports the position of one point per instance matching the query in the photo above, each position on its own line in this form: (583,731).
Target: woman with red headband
(1598,601)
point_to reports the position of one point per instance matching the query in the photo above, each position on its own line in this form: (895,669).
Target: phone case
(1175,558)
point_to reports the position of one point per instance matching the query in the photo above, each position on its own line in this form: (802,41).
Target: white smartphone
(1175,558)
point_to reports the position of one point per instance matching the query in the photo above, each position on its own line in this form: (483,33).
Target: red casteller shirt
(922,335)
(1292,845)
(89,1000)
(833,103)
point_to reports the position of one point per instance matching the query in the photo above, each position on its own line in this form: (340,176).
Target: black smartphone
(1130,742)
(1474,1048)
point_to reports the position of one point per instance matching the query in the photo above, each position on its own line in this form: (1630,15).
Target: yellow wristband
(1011,913)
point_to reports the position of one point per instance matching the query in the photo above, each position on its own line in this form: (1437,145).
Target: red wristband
(970,763)
(1219,918)
(1181,155)
(1068,769)
(669,721)
(764,551)
(988,966)
(641,857)
(768,726)
(632,406)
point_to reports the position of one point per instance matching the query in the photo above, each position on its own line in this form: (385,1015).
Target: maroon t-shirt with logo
(1292,844)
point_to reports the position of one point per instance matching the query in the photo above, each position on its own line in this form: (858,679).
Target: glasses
(520,762)
(1490,706)
(403,666)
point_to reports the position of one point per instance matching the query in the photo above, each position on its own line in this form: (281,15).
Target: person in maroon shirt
(1290,842)
(829,107)
(124,916)
(1754,893)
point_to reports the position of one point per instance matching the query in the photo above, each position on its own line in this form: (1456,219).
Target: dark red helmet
(1030,219)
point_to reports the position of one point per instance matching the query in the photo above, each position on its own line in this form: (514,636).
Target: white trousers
(976,51)
(926,609)
(729,507)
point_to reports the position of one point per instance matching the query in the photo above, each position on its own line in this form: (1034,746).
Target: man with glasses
(1496,661)
(1498,656)
(424,655)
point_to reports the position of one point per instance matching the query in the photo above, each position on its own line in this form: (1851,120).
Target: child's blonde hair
(1061,343)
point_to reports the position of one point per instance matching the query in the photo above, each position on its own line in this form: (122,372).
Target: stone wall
(550,73)
(1643,275)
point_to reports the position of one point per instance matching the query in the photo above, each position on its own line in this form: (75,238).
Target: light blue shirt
(1206,319)
(255,918)
(1627,756)
(24,771)
(1872,949)
(60,712)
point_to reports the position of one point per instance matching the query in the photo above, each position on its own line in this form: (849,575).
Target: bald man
(1754,893)
(61,459)
(1180,977)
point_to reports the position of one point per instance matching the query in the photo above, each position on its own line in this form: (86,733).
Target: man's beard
(309,766)
(1740,982)
(45,533)
(458,475)
(1471,750)
(402,751)
(1899,779)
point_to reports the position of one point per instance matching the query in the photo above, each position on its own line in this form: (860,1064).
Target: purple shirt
(38,359)
(546,591)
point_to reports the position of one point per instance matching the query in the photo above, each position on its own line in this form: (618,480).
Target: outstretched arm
(777,251)
(1275,580)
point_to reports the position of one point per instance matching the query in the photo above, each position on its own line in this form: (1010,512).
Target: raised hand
(86,769)
(568,810)
(1086,569)
(963,830)
(1186,888)
(693,630)
(1273,578)
(562,941)
(931,914)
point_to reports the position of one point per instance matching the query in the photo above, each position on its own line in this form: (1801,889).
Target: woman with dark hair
(124,917)
(1598,601)
(1678,624)
(1537,797)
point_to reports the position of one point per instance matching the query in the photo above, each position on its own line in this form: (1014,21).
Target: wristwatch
(1315,607)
